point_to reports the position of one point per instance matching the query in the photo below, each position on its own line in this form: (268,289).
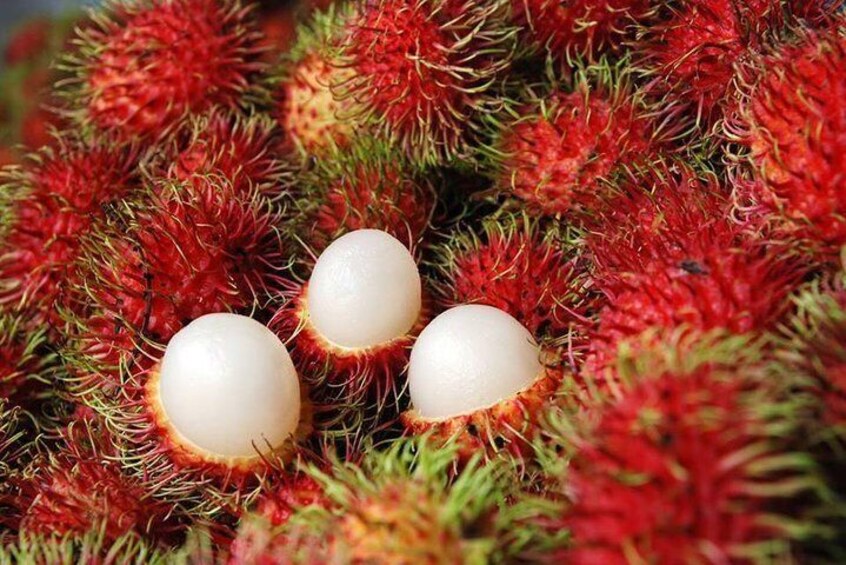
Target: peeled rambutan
(517,265)
(586,27)
(476,378)
(144,66)
(693,459)
(562,145)
(351,325)
(668,256)
(423,72)
(314,118)
(689,51)
(56,198)
(792,122)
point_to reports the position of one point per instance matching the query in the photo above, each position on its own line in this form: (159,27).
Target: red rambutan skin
(279,503)
(279,28)
(555,159)
(156,62)
(21,358)
(366,197)
(508,426)
(240,150)
(420,68)
(517,270)
(675,260)
(793,124)
(585,27)
(691,50)
(194,250)
(62,194)
(28,42)
(312,117)
(654,480)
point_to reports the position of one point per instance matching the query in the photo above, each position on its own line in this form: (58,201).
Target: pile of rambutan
(424,281)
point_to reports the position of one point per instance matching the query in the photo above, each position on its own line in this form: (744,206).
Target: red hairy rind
(516,266)
(343,378)
(23,358)
(424,70)
(150,63)
(28,42)
(80,488)
(673,258)
(689,51)
(581,28)
(293,492)
(684,464)
(243,150)
(510,426)
(792,123)
(57,196)
(363,188)
(556,155)
(189,249)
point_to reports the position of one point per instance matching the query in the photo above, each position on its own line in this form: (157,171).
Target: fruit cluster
(425,281)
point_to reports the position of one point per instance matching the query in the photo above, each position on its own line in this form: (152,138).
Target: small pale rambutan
(690,50)
(559,148)
(423,71)
(314,118)
(56,197)
(145,65)
(241,150)
(407,505)
(522,268)
(585,27)
(792,123)
(475,378)
(693,459)
(673,259)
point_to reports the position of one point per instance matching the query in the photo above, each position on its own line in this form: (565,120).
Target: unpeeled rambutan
(56,198)
(693,459)
(521,267)
(792,123)
(23,357)
(314,118)
(558,148)
(145,65)
(586,27)
(674,259)
(28,42)
(424,71)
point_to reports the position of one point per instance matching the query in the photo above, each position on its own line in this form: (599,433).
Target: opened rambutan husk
(313,117)
(424,72)
(55,199)
(145,65)
(692,458)
(789,129)
(668,255)
(554,147)
(522,266)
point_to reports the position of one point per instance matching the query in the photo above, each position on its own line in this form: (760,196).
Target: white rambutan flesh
(469,358)
(228,386)
(365,290)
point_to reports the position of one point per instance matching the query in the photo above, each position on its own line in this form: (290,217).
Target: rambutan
(587,27)
(312,116)
(144,65)
(407,505)
(351,325)
(424,71)
(668,256)
(28,42)
(689,51)
(517,265)
(792,122)
(554,153)
(693,459)
(57,196)
(476,379)
(23,358)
